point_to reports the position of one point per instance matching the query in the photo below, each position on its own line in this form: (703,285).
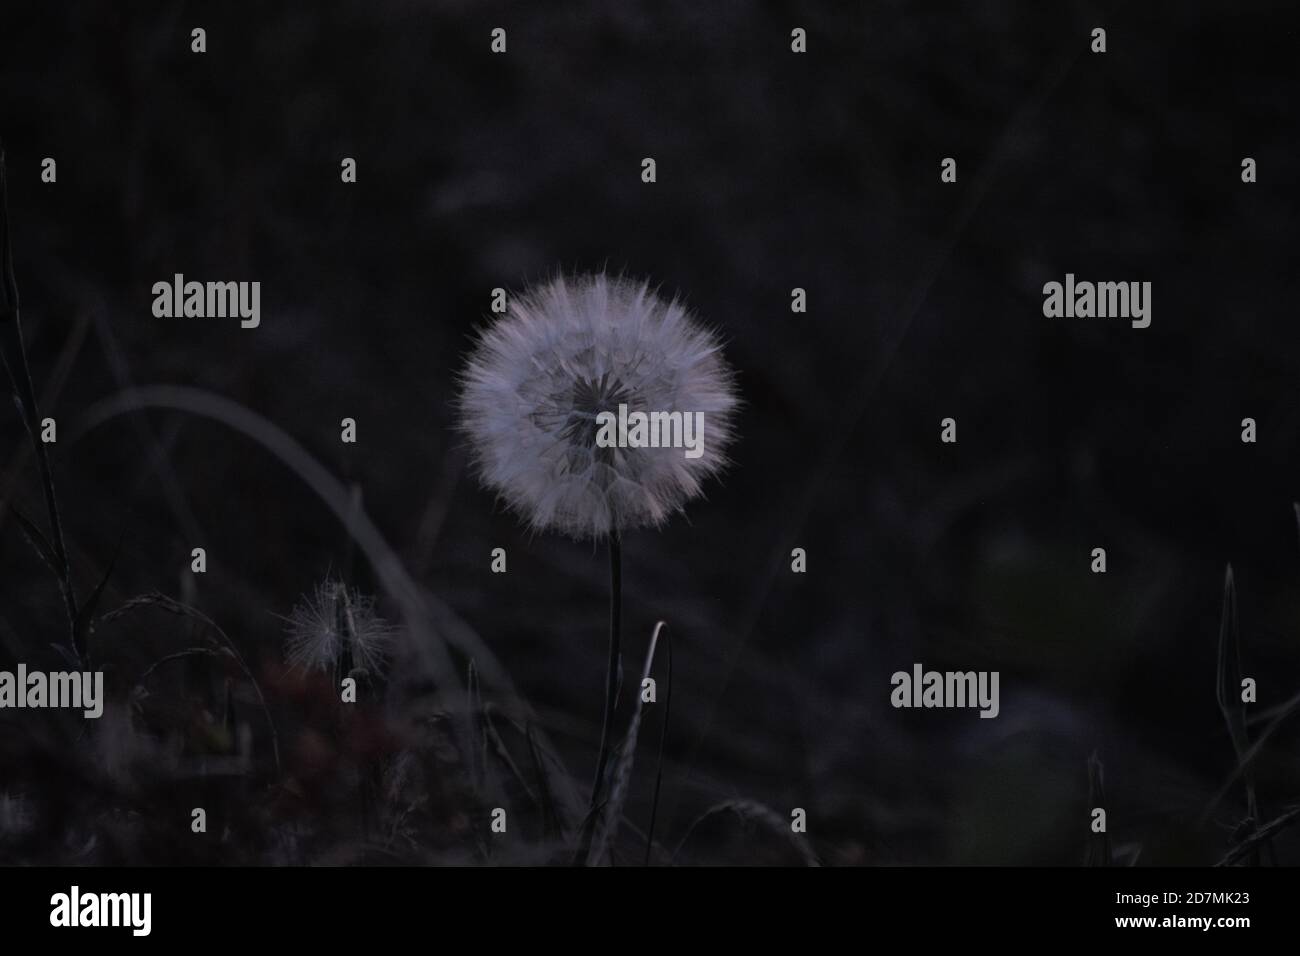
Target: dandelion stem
(611,682)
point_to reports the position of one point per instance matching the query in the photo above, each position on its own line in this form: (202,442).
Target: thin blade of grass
(36,539)
(474,700)
(552,825)
(1261,837)
(81,629)
(1099,849)
(1248,758)
(659,763)
(13,355)
(608,821)
(503,754)
(752,813)
(1228,692)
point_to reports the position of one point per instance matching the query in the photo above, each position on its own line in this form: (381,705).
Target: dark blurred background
(775,170)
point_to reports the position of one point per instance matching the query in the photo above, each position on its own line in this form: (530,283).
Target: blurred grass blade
(1099,848)
(36,539)
(1228,692)
(1262,837)
(659,763)
(608,821)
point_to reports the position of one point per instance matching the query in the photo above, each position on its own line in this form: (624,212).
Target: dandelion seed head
(334,622)
(565,351)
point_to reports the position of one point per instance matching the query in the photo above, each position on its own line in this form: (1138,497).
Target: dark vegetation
(775,171)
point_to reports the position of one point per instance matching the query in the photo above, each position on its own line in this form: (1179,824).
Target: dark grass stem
(659,764)
(1228,693)
(1099,852)
(611,680)
(14,354)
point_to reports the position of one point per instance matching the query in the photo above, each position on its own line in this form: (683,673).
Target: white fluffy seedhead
(566,351)
(334,623)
